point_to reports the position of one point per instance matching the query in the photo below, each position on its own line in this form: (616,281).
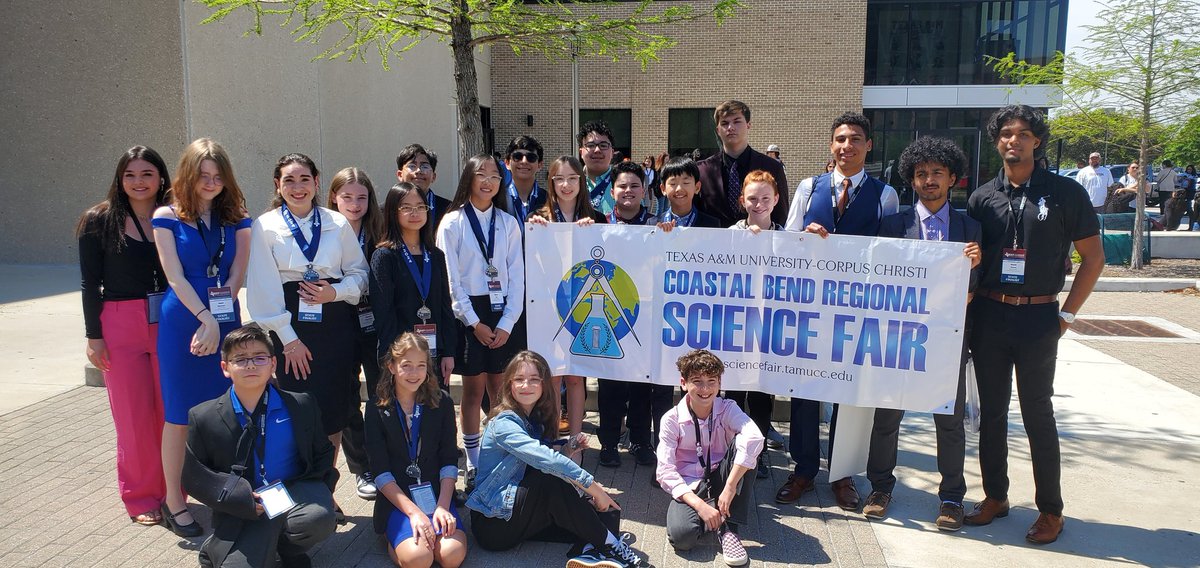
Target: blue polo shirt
(281,459)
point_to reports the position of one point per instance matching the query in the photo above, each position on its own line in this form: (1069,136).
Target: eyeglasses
(486,178)
(415,167)
(259,361)
(531,382)
(411,209)
(525,155)
(570,180)
(593,146)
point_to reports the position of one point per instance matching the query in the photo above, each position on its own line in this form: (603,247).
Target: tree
(554,28)
(1184,147)
(1143,60)
(1116,137)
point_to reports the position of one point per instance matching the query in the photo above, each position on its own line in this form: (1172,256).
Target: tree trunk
(1139,216)
(466,85)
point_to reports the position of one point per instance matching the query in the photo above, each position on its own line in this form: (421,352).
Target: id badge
(429,332)
(154,302)
(275,499)
(496,295)
(220,303)
(422,495)
(309,312)
(1012,267)
(366,318)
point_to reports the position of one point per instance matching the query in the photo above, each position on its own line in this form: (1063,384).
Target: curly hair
(933,150)
(598,127)
(851,119)
(1035,119)
(700,362)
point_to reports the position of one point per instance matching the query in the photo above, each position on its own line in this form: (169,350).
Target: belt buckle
(1016,300)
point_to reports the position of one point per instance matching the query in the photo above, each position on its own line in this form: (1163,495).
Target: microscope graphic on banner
(598,304)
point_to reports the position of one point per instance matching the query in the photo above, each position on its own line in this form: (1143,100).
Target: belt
(1016,300)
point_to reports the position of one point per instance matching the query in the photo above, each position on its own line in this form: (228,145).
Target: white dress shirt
(1096,181)
(275,258)
(889,202)
(467,268)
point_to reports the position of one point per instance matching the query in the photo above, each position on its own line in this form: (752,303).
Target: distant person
(1173,210)
(830,165)
(1125,197)
(1166,182)
(722,173)
(773,151)
(1095,178)
(1190,194)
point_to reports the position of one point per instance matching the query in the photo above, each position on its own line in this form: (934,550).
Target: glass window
(619,120)
(690,129)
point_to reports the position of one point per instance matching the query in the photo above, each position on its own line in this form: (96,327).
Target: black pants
(641,405)
(684,525)
(354,443)
(757,405)
(1024,338)
(804,443)
(292,533)
(543,507)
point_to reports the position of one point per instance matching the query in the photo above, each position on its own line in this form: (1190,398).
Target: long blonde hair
(372,221)
(229,206)
(429,393)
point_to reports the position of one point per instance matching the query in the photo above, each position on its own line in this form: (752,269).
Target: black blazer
(712,188)
(906,225)
(213,433)
(387,450)
(395,300)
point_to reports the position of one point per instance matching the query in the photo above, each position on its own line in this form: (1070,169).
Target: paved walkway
(1130,443)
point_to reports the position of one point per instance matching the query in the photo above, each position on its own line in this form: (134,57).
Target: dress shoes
(950,516)
(1045,529)
(986,511)
(845,493)
(793,488)
(877,504)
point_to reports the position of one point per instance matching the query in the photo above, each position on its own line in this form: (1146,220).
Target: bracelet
(197,314)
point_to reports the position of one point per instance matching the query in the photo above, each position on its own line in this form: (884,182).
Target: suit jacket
(213,434)
(387,449)
(907,225)
(713,200)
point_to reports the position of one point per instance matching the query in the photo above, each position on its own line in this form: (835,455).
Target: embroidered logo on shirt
(1043,209)
(281,420)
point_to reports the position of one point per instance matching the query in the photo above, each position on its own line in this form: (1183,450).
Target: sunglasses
(524,155)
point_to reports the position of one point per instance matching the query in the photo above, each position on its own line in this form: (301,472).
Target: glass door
(967,139)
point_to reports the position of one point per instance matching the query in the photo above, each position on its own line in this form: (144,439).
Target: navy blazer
(906,225)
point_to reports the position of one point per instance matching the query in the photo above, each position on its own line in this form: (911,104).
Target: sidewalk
(1130,446)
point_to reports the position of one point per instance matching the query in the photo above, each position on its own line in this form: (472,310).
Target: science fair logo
(598,304)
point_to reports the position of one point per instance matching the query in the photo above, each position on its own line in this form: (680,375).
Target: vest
(862,215)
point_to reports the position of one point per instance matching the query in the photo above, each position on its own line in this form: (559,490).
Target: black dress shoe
(610,458)
(189,530)
(299,560)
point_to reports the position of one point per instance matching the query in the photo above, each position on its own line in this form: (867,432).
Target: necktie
(932,231)
(733,187)
(843,197)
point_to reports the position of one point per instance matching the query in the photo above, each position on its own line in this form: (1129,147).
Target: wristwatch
(1067,317)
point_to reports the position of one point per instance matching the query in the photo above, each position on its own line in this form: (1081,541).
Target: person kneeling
(526,490)
(258,456)
(706,446)
(411,438)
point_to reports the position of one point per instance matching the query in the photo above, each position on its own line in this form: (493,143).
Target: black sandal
(186,531)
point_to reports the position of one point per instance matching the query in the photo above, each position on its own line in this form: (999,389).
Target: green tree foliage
(1184,147)
(351,29)
(1143,61)
(1116,137)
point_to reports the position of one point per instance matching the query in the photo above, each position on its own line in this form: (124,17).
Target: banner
(857,320)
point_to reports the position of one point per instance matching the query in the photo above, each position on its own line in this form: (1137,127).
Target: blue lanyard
(488,247)
(432,204)
(308,248)
(519,206)
(639,220)
(423,279)
(412,438)
(600,188)
(685,221)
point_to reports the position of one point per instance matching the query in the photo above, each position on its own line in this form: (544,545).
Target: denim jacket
(506,448)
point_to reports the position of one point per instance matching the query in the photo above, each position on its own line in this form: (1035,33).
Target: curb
(1111,284)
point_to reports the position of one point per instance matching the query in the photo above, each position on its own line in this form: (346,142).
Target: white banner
(857,320)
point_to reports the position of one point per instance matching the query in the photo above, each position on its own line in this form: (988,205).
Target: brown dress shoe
(986,511)
(877,505)
(950,516)
(793,488)
(845,493)
(1045,529)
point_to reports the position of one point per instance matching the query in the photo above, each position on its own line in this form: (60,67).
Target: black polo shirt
(1057,213)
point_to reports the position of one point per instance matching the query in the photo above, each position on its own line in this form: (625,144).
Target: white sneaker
(732,551)
(365,487)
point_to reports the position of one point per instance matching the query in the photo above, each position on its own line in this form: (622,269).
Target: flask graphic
(597,338)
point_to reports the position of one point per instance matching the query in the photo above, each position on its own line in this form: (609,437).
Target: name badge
(422,495)
(429,332)
(496,295)
(220,304)
(275,499)
(154,302)
(1012,267)
(366,318)
(309,312)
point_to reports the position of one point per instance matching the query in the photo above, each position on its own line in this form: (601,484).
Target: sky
(1080,13)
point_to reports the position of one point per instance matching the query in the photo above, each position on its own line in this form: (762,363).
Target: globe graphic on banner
(600,299)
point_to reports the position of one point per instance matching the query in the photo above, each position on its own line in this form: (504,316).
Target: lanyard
(138,225)
(412,438)
(431,203)
(1018,217)
(214,265)
(596,193)
(258,419)
(423,278)
(700,453)
(362,239)
(558,216)
(685,221)
(488,247)
(519,206)
(639,220)
(308,248)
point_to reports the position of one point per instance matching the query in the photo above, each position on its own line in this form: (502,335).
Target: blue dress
(188,380)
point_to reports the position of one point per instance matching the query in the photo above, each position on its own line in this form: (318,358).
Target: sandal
(150,518)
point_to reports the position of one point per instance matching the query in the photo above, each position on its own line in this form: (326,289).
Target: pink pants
(136,402)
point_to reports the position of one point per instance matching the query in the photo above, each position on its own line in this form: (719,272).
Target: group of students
(443,292)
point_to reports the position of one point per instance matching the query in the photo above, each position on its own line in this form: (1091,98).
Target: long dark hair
(295,158)
(545,410)
(463,194)
(583,204)
(392,235)
(107,218)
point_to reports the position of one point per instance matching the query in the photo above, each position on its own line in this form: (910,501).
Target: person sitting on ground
(526,490)
(1174,209)
(258,456)
(706,446)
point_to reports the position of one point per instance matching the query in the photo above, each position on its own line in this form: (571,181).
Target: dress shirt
(467,268)
(679,466)
(1096,181)
(275,258)
(937,224)
(889,202)
(281,458)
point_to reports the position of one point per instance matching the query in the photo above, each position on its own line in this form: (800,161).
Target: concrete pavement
(1130,444)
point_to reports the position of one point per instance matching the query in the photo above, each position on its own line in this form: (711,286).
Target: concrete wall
(84,82)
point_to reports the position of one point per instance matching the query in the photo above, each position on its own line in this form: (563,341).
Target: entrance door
(967,139)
